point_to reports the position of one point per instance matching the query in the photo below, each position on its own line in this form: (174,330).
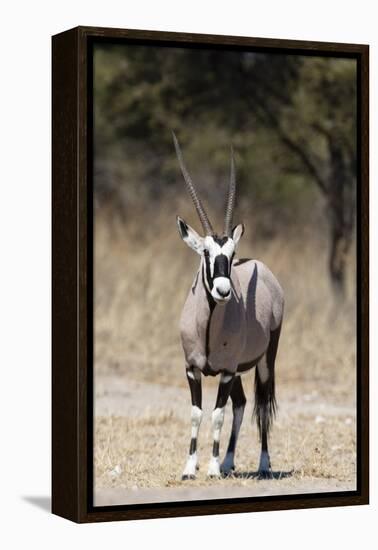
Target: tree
(317,123)
(307,105)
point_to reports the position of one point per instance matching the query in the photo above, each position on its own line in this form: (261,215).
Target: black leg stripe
(193,445)
(216,448)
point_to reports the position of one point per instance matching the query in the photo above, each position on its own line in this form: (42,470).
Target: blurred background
(292,122)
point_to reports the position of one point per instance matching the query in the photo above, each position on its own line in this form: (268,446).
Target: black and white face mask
(218,253)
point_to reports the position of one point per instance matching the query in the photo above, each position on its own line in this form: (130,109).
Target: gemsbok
(230,323)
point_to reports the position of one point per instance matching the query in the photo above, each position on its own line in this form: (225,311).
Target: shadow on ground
(43,503)
(257,475)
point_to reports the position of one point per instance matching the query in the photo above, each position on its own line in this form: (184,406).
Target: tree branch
(296,148)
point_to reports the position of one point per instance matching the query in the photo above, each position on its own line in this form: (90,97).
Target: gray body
(225,338)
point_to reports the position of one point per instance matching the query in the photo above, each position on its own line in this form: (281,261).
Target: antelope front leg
(217,419)
(194,378)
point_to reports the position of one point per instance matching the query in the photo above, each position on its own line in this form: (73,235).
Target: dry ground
(142,405)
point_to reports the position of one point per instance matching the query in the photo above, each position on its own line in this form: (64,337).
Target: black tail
(265,407)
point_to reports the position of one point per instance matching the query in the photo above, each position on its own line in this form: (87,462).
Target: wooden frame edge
(224,40)
(69,289)
(65,386)
(364,278)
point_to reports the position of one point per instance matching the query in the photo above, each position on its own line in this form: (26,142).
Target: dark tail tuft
(265,406)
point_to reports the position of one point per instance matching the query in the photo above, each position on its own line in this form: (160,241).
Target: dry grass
(141,280)
(150,451)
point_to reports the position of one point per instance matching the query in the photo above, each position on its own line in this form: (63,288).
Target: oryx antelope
(230,323)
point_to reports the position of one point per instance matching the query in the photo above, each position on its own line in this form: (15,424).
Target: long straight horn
(230,198)
(192,192)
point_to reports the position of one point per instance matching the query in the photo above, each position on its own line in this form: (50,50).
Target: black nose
(223,293)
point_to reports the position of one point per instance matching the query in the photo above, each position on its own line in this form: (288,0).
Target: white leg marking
(191,463)
(264,465)
(190,466)
(196,420)
(214,467)
(190,374)
(228,463)
(263,369)
(217,419)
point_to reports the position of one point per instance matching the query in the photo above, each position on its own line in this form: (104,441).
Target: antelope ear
(237,233)
(189,236)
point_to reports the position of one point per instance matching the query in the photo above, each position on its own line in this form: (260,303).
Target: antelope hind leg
(238,406)
(265,401)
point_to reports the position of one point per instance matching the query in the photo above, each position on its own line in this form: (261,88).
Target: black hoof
(228,473)
(185,477)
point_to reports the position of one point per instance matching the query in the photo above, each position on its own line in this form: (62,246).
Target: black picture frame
(72,275)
